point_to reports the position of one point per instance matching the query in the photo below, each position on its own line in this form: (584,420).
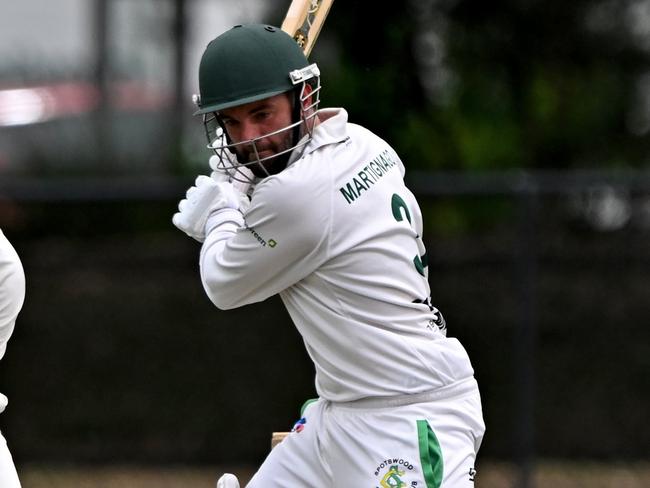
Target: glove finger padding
(200,181)
(245,181)
(242,178)
(201,200)
(218,172)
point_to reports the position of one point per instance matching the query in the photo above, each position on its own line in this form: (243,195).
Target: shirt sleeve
(283,239)
(12,290)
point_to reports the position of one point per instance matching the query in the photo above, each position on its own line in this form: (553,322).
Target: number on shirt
(398,204)
(400,211)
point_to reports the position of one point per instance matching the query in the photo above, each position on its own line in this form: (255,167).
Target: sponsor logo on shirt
(260,239)
(299,425)
(368,176)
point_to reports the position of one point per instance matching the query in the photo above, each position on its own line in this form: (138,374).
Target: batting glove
(228,481)
(201,200)
(246,177)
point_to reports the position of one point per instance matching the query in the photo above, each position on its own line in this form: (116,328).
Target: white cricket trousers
(8,475)
(427,440)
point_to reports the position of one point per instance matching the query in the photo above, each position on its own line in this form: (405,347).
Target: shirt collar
(332,129)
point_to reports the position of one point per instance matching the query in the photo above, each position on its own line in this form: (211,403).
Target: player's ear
(307,91)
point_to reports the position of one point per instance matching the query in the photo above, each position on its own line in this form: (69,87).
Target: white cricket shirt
(338,235)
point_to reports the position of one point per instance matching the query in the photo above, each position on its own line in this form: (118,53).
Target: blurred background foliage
(475,86)
(469,87)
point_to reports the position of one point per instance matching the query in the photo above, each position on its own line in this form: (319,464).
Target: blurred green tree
(470,85)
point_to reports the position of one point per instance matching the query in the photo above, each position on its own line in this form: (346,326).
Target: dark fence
(119,356)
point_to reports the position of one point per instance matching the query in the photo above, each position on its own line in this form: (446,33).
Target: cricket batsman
(12,295)
(305,204)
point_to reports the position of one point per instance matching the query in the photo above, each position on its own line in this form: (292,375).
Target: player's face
(255,120)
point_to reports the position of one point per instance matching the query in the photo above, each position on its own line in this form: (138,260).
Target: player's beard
(266,149)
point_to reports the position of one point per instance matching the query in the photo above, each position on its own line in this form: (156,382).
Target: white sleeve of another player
(282,242)
(12,290)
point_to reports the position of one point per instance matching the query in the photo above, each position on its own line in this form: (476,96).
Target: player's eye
(263,115)
(229,122)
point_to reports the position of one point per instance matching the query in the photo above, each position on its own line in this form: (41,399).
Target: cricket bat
(277,437)
(304,20)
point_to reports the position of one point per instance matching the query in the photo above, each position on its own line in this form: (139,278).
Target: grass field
(491,475)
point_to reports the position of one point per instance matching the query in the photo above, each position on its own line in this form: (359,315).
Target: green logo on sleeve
(271,242)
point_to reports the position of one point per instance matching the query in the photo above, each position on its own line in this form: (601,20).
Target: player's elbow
(219,283)
(220,296)
(223,304)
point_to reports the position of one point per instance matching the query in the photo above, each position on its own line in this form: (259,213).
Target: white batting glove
(220,174)
(204,198)
(228,481)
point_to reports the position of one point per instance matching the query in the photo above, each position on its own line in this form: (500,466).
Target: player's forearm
(216,278)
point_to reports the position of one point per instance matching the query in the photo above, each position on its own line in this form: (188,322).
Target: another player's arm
(12,290)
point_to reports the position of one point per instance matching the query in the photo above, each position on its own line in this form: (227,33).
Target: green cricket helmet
(246,64)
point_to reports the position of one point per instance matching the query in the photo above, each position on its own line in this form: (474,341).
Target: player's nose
(249,131)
